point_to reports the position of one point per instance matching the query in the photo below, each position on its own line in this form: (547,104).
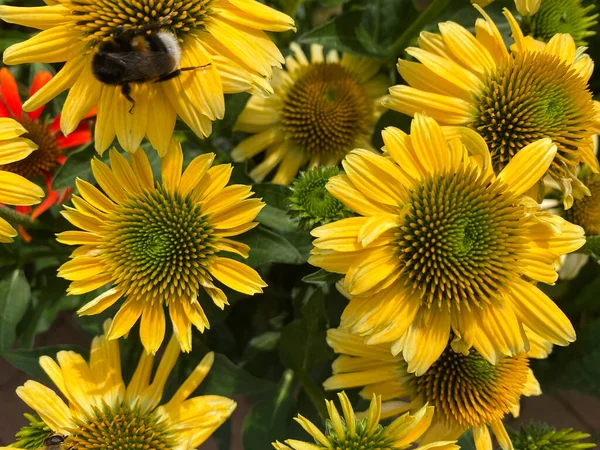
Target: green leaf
(15,296)
(366,27)
(267,247)
(274,214)
(574,367)
(27,360)
(10,37)
(321,276)
(466,441)
(234,105)
(77,165)
(227,379)
(269,419)
(592,247)
(344,33)
(302,344)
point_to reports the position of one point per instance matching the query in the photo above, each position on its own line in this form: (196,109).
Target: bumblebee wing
(145,66)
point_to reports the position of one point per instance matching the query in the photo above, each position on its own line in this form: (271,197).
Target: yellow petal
(142,169)
(131,120)
(378,265)
(171,166)
(124,173)
(425,340)
(161,120)
(93,196)
(528,166)
(237,276)
(54,45)
(465,48)
(263,17)
(429,144)
(40,17)
(202,84)
(501,435)
(50,407)
(10,128)
(82,97)
(451,71)
(194,172)
(16,190)
(483,440)
(81,267)
(152,327)
(105,123)
(563,46)
(108,181)
(375,176)
(100,303)
(192,381)
(182,327)
(536,310)
(15,149)
(63,80)
(125,318)
(442,108)
(342,188)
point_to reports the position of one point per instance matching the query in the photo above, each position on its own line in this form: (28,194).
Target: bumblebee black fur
(138,56)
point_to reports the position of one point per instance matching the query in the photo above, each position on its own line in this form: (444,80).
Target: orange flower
(51,143)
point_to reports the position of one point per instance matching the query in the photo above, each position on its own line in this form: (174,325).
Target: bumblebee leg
(126,91)
(176,73)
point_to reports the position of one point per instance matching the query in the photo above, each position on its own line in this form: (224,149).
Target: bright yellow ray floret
(100,409)
(350,432)
(15,189)
(512,97)
(159,243)
(442,245)
(224,39)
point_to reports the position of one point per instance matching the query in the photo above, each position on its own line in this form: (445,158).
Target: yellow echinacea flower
(512,98)
(442,245)
(322,108)
(101,410)
(350,432)
(15,189)
(223,40)
(466,391)
(159,244)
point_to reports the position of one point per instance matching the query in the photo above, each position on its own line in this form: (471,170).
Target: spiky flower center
(468,391)
(326,111)
(563,16)
(361,439)
(98,19)
(41,161)
(532,96)
(122,427)
(459,241)
(312,203)
(542,437)
(586,211)
(158,245)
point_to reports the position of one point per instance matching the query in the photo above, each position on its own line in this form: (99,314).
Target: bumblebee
(139,55)
(54,442)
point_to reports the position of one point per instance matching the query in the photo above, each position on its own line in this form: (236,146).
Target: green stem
(17,218)
(434,9)
(314,393)
(291,6)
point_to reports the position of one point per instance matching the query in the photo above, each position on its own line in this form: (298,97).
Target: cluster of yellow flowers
(440,252)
